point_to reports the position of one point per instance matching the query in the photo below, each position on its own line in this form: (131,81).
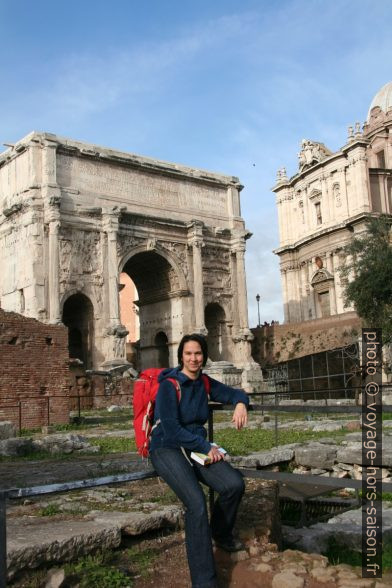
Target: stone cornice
(132,160)
(346,224)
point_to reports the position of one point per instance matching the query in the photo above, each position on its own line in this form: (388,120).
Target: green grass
(105,570)
(97,571)
(114,444)
(250,440)
(50,510)
(141,559)
(337,555)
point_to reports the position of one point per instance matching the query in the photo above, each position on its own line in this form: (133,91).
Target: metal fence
(273,397)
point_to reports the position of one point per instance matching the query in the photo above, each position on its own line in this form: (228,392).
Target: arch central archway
(162,304)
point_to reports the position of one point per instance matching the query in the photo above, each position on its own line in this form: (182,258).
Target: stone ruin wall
(34,372)
(274,343)
(99,390)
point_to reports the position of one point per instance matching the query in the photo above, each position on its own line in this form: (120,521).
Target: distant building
(322,206)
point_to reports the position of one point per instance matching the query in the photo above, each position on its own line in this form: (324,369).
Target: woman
(179,430)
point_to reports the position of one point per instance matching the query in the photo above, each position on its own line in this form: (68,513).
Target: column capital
(110,220)
(54,226)
(197,242)
(238,247)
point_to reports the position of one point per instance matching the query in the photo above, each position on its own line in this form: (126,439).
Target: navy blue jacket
(181,423)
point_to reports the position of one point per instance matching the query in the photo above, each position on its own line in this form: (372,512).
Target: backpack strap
(207,384)
(177,386)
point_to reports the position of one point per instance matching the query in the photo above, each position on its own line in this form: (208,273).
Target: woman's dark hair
(202,341)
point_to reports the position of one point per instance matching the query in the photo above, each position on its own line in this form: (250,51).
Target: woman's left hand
(240,415)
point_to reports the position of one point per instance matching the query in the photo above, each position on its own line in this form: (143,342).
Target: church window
(319,218)
(324,301)
(381,159)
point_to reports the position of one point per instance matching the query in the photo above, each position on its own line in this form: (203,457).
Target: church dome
(383,99)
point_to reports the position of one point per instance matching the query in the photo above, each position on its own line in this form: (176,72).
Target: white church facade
(324,204)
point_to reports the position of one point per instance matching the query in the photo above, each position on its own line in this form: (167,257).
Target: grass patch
(141,560)
(167,498)
(97,570)
(337,555)
(49,511)
(114,444)
(112,570)
(249,440)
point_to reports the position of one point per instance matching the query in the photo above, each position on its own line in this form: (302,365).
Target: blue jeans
(183,478)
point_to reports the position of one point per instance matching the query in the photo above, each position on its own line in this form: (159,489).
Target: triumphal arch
(74,216)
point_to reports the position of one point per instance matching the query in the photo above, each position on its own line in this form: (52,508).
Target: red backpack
(145,391)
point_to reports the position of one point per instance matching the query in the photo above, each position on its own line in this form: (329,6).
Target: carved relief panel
(80,255)
(216,268)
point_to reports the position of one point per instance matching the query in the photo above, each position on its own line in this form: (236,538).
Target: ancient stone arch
(83,214)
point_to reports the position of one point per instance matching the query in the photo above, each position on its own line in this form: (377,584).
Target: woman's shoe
(231,544)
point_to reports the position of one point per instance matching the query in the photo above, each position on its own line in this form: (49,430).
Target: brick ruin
(34,372)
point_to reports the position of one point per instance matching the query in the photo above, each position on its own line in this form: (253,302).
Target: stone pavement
(21,474)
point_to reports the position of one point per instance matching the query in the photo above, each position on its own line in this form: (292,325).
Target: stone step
(33,541)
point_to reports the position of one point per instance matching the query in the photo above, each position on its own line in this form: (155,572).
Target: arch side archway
(78,317)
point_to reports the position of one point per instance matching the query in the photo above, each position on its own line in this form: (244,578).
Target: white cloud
(87,84)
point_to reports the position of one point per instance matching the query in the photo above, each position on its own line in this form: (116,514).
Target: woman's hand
(240,415)
(215,455)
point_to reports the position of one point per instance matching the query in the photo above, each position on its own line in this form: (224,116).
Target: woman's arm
(227,395)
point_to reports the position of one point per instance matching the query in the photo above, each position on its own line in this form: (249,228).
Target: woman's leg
(174,468)
(229,483)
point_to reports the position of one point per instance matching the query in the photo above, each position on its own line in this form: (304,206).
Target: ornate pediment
(322,275)
(311,153)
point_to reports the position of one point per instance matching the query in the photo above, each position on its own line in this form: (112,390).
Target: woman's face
(192,359)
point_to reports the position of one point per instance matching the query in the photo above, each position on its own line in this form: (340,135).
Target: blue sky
(231,86)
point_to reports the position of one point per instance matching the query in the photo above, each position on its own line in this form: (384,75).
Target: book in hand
(204,459)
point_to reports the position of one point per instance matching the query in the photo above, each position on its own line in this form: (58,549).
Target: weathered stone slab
(7,430)
(64,443)
(317,455)
(346,529)
(16,447)
(32,542)
(264,458)
(329,426)
(137,523)
(350,454)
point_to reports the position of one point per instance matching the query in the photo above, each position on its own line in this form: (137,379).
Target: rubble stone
(316,455)
(7,430)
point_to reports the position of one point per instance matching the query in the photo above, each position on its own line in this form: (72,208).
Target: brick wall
(276,343)
(34,371)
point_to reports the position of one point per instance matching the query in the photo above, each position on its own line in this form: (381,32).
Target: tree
(367,275)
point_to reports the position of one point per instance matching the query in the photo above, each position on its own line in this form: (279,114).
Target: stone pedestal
(224,372)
